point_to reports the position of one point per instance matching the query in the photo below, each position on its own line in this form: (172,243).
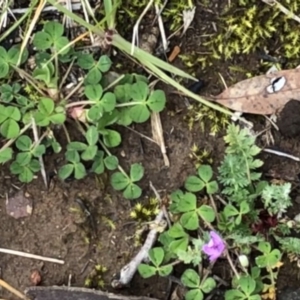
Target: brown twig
(33,256)
(12,290)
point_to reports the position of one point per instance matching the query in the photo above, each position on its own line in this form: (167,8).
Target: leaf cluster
(242,187)
(238,169)
(119,103)
(122,182)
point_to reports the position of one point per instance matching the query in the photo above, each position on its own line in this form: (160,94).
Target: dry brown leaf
(264,94)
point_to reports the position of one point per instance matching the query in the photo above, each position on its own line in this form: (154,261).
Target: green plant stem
(108,153)
(131,103)
(103,146)
(89,102)
(272,277)
(110,9)
(114,83)
(38,142)
(11,141)
(80,103)
(56,75)
(174,263)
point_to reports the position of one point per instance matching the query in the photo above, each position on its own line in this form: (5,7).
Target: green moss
(172,13)
(248,26)
(200,156)
(203,115)
(95,278)
(145,212)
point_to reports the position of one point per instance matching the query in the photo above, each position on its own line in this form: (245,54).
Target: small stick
(270,119)
(12,290)
(219,279)
(282,154)
(33,256)
(128,271)
(232,265)
(221,200)
(142,135)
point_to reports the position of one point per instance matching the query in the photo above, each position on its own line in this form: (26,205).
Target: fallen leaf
(19,206)
(262,95)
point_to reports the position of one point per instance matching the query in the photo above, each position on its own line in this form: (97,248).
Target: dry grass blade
(4,5)
(135,35)
(77,39)
(86,11)
(158,137)
(161,28)
(66,19)
(28,34)
(25,13)
(188,17)
(37,142)
(13,290)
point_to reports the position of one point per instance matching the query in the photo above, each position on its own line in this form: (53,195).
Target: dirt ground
(56,230)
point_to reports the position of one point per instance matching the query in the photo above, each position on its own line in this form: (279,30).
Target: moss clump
(145,212)
(200,114)
(95,278)
(246,27)
(200,156)
(172,13)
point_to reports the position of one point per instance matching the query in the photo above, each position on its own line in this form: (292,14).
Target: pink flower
(215,247)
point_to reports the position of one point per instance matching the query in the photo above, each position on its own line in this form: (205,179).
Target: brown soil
(55,230)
